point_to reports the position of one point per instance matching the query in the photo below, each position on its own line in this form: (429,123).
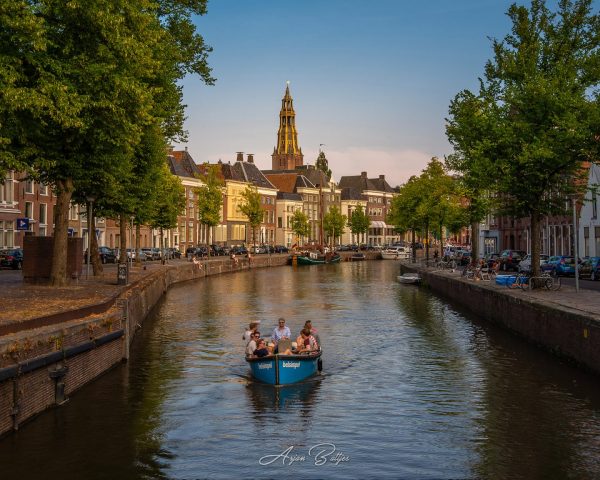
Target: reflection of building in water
(300,397)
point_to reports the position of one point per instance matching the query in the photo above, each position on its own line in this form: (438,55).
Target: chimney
(240,157)
(186,148)
(250,158)
(381,177)
(363,174)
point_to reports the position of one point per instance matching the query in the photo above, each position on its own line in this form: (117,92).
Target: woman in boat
(306,342)
(249,334)
(252,345)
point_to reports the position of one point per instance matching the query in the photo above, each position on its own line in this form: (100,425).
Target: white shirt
(251,347)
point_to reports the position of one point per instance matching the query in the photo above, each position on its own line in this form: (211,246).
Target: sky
(372,81)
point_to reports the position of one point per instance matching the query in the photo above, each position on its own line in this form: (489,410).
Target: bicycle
(522,281)
(547,281)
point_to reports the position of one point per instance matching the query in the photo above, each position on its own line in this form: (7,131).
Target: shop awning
(378,224)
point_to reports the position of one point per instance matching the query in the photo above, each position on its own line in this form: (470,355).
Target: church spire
(287,155)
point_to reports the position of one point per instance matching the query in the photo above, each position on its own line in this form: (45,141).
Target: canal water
(412,387)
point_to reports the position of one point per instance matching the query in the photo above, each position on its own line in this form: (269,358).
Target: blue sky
(370,80)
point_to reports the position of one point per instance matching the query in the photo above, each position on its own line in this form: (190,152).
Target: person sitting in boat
(306,342)
(308,325)
(248,334)
(252,345)
(279,332)
(261,349)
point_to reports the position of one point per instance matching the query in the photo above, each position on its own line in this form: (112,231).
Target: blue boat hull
(284,369)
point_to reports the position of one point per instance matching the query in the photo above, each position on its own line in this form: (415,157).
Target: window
(43,213)
(28,186)
(594,206)
(43,189)
(29,209)
(597,241)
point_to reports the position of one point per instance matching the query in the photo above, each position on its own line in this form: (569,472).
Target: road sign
(22,224)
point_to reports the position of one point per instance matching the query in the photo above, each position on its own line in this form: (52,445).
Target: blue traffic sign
(22,224)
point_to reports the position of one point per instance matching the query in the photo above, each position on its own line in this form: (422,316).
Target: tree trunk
(413,249)
(138,230)
(209,238)
(474,242)
(441,252)
(58,273)
(535,244)
(123,239)
(427,241)
(162,246)
(94,256)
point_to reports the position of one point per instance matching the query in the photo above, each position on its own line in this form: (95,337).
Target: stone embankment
(565,322)
(54,341)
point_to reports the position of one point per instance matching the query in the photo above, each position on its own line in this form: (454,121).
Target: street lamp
(575,247)
(91,231)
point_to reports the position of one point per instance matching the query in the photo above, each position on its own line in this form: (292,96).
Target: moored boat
(285,369)
(357,257)
(410,278)
(317,259)
(395,253)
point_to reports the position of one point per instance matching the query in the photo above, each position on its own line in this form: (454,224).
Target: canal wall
(42,365)
(566,332)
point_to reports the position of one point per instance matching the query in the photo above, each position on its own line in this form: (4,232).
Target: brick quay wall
(41,365)
(549,319)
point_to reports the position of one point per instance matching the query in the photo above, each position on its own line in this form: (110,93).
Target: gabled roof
(351,194)
(182,164)
(284,182)
(245,172)
(303,182)
(362,182)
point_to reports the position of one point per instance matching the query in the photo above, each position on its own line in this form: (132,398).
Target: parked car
(217,250)
(560,265)
(239,250)
(590,268)
(151,253)
(509,259)
(11,258)
(172,253)
(281,249)
(133,255)
(525,264)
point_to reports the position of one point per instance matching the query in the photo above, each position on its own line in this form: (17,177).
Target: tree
(323,165)
(210,199)
(405,213)
(537,111)
(300,224)
(252,208)
(359,221)
(81,80)
(168,202)
(334,222)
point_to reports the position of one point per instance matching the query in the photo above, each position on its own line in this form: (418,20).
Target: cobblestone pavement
(20,301)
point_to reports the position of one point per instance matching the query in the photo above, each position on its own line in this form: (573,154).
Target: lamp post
(91,231)
(131,253)
(575,246)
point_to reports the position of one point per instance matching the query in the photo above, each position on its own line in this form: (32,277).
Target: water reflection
(412,387)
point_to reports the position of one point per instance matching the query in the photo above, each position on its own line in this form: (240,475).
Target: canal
(412,387)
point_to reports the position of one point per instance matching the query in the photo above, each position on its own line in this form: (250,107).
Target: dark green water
(411,388)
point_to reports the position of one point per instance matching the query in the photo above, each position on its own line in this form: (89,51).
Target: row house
(26,208)
(378,195)
(351,200)
(239,176)
(589,223)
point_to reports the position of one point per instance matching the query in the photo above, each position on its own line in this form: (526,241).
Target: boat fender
(320,365)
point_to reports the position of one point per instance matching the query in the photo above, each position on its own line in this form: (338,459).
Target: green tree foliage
(359,221)
(210,198)
(536,114)
(404,213)
(80,83)
(334,222)
(300,224)
(323,165)
(252,208)
(168,200)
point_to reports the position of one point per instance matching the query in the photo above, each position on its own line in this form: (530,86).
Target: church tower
(287,155)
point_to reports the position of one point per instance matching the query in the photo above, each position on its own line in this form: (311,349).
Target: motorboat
(280,369)
(409,278)
(395,253)
(315,258)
